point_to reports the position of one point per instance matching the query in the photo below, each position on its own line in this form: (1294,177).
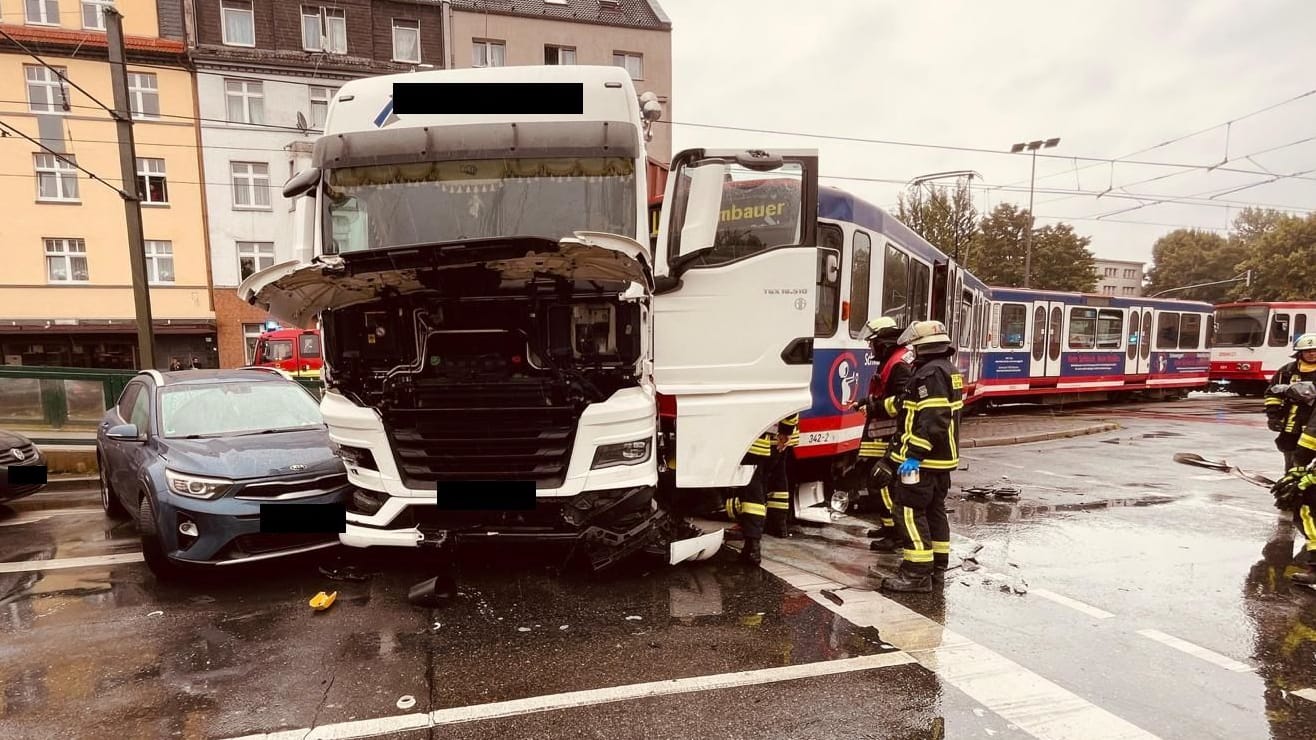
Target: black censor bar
(303,518)
(488,98)
(27,475)
(486,496)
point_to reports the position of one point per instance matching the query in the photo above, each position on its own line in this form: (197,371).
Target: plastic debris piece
(634,618)
(322,600)
(156,613)
(565,626)
(522,629)
(406,702)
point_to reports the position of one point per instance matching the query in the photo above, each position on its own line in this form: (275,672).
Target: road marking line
(1198,651)
(1308,694)
(1058,475)
(1036,705)
(1074,604)
(573,699)
(60,563)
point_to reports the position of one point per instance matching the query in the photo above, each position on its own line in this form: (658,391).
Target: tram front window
(1241,327)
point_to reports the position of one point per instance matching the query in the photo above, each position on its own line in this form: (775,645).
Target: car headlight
(196,486)
(622,453)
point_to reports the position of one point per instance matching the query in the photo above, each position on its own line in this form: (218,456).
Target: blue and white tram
(871,264)
(1053,346)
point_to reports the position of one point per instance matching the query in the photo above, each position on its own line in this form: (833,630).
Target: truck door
(734,302)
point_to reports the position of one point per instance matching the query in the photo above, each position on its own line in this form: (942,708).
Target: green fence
(69,397)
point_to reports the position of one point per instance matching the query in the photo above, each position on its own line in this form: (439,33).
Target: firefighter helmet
(925,332)
(882,327)
(1304,343)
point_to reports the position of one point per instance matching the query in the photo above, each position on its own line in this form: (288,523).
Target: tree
(1061,259)
(946,219)
(1190,256)
(1282,258)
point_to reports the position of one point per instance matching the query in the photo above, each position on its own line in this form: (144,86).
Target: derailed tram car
(869,265)
(491,312)
(1253,340)
(1051,347)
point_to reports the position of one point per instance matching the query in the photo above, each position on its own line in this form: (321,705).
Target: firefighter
(1296,493)
(1285,414)
(874,468)
(767,491)
(928,420)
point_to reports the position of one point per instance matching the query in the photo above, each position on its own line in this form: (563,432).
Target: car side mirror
(124,433)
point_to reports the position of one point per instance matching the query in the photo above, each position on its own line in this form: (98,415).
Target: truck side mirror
(302,183)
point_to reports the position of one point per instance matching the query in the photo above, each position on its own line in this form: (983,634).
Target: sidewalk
(1010,429)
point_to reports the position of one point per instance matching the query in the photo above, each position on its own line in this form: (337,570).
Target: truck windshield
(1241,327)
(394,205)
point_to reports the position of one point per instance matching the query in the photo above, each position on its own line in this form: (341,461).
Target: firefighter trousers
(749,505)
(920,515)
(1305,519)
(880,498)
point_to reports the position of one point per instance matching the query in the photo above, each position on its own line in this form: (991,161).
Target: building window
(632,63)
(66,261)
(406,41)
(250,333)
(559,54)
(238,23)
(246,101)
(1108,289)
(144,94)
(159,261)
(45,89)
(57,178)
(42,12)
(324,29)
(320,97)
(488,53)
(251,185)
(1128,290)
(1109,272)
(93,19)
(1131,274)
(151,183)
(254,257)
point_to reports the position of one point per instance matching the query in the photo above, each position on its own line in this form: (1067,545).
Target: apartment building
(1119,277)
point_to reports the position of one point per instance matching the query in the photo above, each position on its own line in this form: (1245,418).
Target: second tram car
(1253,339)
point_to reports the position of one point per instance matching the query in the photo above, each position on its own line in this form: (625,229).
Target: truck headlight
(622,453)
(196,486)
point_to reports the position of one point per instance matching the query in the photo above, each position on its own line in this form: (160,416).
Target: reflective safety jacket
(1293,416)
(929,415)
(880,405)
(766,444)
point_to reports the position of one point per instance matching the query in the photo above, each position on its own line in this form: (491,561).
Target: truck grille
(7,456)
(481,432)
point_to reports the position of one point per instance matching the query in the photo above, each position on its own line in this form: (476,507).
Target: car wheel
(109,499)
(152,550)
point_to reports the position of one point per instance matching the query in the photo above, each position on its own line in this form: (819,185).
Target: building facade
(1119,277)
(267,69)
(66,294)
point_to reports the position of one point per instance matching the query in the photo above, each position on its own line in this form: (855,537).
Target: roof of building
(628,13)
(53,40)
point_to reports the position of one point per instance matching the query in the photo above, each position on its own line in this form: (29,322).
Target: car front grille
(29,455)
(511,432)
(293,488)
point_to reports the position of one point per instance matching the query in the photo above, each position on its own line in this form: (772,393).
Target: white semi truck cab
(492,312)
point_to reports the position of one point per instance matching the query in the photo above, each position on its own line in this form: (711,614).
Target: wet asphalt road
(1123,595)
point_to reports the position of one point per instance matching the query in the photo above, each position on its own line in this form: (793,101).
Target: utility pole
(1031,146)
(132,199)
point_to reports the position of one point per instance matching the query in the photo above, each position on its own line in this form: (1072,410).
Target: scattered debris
(522,629)
(344,573)
(832,596)
(565,626)
(406,702)
(634,618)
(156,614)
(322,600)
(438,625)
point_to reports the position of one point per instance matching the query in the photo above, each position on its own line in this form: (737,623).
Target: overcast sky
(1109,78)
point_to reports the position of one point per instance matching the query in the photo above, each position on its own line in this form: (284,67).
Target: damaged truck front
(490,313)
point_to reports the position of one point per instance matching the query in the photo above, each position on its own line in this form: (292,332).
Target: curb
(71,483)
(1040,436)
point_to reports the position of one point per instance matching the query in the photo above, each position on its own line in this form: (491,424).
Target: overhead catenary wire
(66,158)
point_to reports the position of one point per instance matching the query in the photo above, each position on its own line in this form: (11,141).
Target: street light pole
(1031,146)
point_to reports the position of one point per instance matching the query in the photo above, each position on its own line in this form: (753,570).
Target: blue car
(194,454)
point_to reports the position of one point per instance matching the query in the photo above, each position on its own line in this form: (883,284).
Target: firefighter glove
(909,465)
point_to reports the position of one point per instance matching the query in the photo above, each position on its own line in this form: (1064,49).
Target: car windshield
(1241,327)
(235,408)
(386,206)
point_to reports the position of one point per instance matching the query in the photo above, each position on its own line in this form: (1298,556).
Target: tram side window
(918,294)
(1279,330)
(1167,331)
(1039,333)
(1299,324)
(829,280)
(1110,328)
(1082,328)
(1210,331)
(1190,331)
(895,285)
(1014,318)
(859,272)
(963,327)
